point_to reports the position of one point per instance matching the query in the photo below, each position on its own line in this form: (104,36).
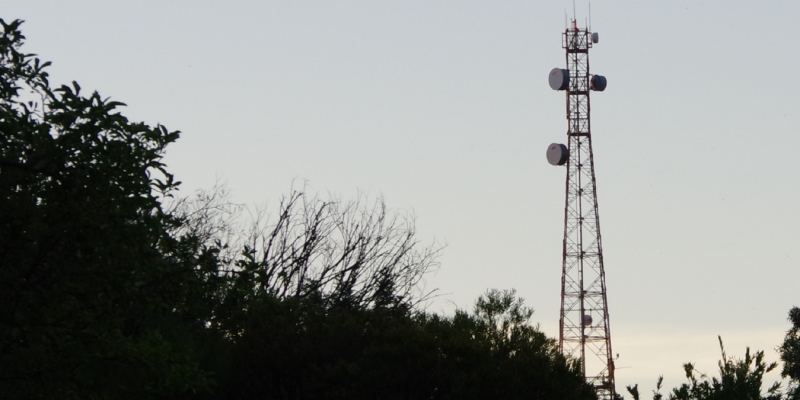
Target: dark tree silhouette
(790,355)
(91,283)
(739,379)
(107,293)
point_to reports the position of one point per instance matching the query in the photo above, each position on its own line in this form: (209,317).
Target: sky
(443,108)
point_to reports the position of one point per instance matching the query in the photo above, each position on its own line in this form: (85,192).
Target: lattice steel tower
(584,324)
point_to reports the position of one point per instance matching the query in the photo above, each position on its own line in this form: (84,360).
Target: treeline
(111,287)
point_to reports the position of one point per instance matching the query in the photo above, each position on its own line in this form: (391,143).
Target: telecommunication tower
(584,324)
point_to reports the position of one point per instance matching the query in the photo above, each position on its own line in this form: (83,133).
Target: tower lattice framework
(584,322)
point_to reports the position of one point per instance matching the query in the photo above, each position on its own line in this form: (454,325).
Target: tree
(790,354)
(634,390)
(524,362)
(93,288)
(298,348)
(107,293)
(351,255)
(739,379)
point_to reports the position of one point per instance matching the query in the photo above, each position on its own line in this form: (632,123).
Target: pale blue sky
(443,107)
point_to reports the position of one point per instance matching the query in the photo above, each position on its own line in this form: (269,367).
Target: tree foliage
(739,379)
(89,276)
(353,255)
(106,292)
(790,354)
(299,349)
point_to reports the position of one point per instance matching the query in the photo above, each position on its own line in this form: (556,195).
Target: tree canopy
(739,379)
(790,354)
(111,289)
(88,271)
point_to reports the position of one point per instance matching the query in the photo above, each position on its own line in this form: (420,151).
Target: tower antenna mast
(585,331)
(574,12)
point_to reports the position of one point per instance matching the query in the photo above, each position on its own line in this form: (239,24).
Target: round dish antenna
(559,79)
(598,83)
(557,154)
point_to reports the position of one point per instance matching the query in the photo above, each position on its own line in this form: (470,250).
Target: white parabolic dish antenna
(557,154)
(559,79)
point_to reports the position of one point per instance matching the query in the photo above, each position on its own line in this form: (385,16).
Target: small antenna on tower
(574,13)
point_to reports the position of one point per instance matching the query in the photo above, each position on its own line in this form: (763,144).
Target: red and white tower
(585,331)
